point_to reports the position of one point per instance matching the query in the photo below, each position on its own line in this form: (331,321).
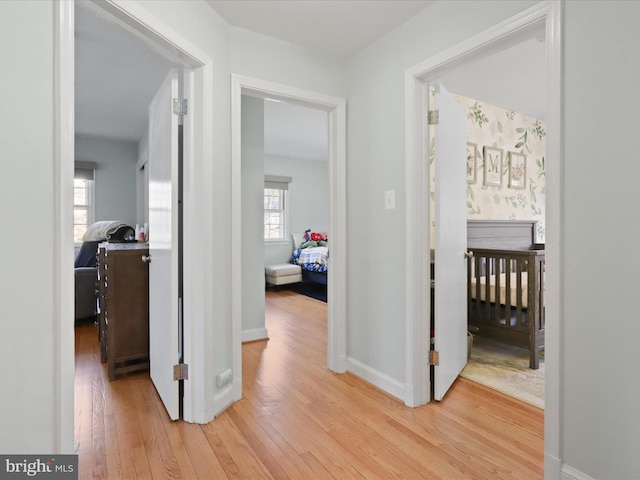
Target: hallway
(298,420)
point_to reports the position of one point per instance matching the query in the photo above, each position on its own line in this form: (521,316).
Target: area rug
(310,289)
(505,368)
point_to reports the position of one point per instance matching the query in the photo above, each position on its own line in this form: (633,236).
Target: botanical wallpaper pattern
(518,194)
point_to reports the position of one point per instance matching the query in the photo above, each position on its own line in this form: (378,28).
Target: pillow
(318,238)
(297,238)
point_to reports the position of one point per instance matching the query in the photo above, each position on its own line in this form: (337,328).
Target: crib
(505,285)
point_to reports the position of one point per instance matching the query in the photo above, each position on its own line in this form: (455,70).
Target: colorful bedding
(313,259)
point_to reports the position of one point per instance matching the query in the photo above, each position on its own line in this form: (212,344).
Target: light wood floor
(297,420)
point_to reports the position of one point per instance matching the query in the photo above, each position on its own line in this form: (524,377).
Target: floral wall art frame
(472,154)
(517,170)
(492,166)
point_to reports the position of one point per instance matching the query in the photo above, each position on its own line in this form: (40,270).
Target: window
(83,203)
(274,214)
(275,207)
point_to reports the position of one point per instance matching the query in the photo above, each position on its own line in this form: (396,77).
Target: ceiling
(338,27)
(514,78)
(117,74)
(293,131)
(116,78)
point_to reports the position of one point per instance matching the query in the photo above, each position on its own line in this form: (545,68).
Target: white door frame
(63,311)
(198,149)
(544,16)
(336,275)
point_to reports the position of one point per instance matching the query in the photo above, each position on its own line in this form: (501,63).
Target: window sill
(268,243)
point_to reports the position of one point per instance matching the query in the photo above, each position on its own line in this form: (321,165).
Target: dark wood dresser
(123,321)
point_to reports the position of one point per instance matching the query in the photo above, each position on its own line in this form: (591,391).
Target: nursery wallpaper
(506,179)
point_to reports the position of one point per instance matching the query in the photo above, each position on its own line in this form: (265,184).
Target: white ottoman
(283,274)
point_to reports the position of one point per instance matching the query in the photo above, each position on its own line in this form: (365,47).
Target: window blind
(277,182)
(84,170)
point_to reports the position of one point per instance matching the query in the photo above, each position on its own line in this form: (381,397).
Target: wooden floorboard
(298,420)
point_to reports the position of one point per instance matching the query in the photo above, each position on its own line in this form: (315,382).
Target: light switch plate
(390,199)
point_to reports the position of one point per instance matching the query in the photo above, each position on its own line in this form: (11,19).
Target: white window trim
(91,206)
(91,194)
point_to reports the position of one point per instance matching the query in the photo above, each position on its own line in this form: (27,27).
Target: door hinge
(181,371)
(433,117)
(180,106)
(434,357)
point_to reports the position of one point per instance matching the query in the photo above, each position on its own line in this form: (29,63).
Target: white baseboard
(409,396)
(570,473)
(220,402)
(255,334)
(552,467)
(379,379)
(236,387)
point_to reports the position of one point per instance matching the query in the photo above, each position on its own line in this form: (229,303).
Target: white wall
(115,176)
(27,331)
(600,415)
(308,200)
(252,218)
(376,290)
(266,58)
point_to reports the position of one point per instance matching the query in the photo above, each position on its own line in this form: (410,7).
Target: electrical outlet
(224,378)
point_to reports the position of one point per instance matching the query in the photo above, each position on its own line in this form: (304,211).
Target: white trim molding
(63,248)
(382,381)
(255,334)
(222,400)
(570,473)
(546,17)
(336,294)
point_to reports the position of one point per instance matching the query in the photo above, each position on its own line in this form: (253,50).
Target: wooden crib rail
(505,290)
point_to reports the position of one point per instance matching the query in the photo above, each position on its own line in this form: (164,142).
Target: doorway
(336,312)
(285,192)
(546,17)
(197,86)
(505,113)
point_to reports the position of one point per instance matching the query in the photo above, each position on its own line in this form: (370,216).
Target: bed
(505,284)
(311,252)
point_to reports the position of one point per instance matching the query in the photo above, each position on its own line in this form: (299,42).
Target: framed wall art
(492,166)
(517,170)
(472,153)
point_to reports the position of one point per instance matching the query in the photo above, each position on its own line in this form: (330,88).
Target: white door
(163,243)
(450,306)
